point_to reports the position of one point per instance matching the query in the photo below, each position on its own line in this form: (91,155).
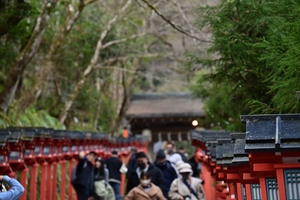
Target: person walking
(146,190)
(181,152)
(143,165)
(186,187)
(15,191)
(114,166)
(132,161)
(168,170)
(102,189)
(172,156)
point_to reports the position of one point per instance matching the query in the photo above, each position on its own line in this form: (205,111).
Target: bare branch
(175,26)
(109,61)
(93,61)
(123,40)
(87,2)
(186,21)
(142,74)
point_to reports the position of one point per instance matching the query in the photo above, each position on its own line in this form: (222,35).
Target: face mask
(142,165)
(145,182)
(185,176)
(170,151)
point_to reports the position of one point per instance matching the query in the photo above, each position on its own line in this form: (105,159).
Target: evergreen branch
(175,26)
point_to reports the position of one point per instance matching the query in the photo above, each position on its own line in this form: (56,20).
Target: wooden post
(63,180)
(263,188)
(248,192)
(281,184)
(23,181)
(43,183)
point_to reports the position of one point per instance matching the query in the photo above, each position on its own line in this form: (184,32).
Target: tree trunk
(27,53)
(93,62)
(128,89)
(48,65)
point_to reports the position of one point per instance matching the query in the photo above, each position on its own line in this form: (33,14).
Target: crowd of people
(170,177)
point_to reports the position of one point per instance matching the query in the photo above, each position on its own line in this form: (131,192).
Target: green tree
(235,76)
(281,54)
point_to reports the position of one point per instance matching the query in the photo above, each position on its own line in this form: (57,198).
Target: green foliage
(256,67)
(31,117)
(282,54)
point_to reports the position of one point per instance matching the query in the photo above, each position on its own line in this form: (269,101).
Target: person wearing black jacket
(84,182)
(194,164)
(114,165)
(167,169)
(143,165)
(132,161)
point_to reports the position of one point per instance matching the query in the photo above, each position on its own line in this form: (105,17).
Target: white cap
(185,167)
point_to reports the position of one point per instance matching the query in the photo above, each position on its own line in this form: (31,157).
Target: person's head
(99,163)
(114,153)
(142,160)
(185,171)
(91,156)
(161,157)
(145,179)
(181,150)
(170,148)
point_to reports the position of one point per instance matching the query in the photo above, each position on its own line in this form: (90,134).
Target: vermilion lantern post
(67,155)
(28,142)
(4,153)
(16,160)
(58,137)
(76,146)
(40,158)
(96,141)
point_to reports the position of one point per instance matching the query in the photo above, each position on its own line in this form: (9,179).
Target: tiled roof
(159,105)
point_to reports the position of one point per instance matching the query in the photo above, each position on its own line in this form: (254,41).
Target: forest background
(75,63)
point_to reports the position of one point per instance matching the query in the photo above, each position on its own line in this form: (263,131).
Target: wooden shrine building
(165,116)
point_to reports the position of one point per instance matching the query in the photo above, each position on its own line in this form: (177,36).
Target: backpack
(101,190)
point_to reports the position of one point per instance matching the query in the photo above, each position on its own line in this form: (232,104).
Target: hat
(160,154)
(185,168)
(180,162)
(141,154)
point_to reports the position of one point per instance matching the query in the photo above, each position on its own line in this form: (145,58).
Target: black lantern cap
(272,133)
(15,135)
(240,156)
(224,152)
(3,137)
(209,135)
(58,134)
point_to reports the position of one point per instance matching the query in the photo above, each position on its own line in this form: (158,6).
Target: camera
(187,197)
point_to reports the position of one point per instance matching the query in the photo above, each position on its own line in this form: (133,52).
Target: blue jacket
(169,174)
(14,192)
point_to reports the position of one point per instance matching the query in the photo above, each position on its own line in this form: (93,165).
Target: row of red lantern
(22,149)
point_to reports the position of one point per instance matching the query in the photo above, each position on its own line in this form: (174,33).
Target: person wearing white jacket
(186,187)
